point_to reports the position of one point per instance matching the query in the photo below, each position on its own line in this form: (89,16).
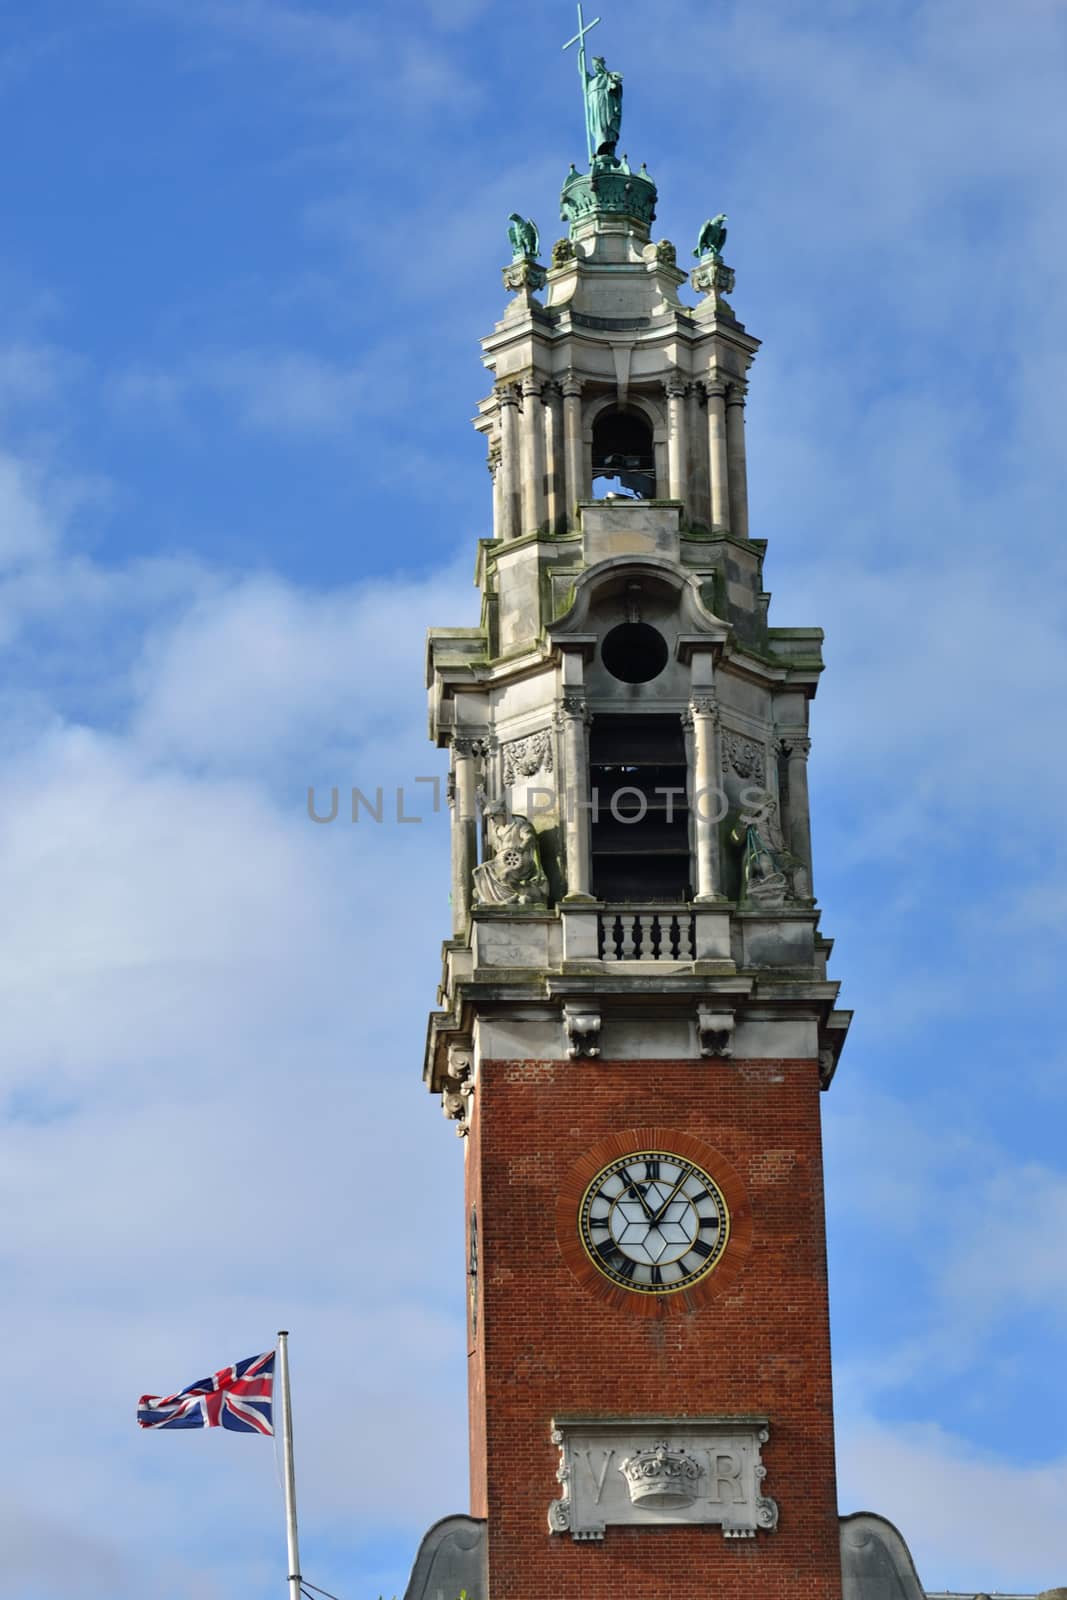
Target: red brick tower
(636,1022)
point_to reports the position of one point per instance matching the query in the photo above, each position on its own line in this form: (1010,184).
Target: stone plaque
(657,1472)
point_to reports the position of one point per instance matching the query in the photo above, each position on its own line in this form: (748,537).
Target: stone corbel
(715,1028)
(581,1023)
(458,1087)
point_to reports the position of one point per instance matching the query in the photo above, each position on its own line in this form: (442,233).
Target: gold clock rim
(657,1289)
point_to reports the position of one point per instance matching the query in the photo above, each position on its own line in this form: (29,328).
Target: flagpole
(287,1462)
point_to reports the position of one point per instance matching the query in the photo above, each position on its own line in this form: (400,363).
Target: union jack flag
(238,1397)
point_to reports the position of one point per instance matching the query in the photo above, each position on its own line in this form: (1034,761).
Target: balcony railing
(626,935)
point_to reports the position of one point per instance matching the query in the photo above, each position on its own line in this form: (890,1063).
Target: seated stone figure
(513,875)
(768,869)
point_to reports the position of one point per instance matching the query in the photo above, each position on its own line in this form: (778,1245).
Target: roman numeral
(709,1222)
(626,1268)
(651,1169)
(599,1222)
(657,1276)
(701,1248)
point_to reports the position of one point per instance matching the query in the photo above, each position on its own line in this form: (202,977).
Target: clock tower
(635,1023)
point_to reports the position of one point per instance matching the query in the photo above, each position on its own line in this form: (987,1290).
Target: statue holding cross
(602,95)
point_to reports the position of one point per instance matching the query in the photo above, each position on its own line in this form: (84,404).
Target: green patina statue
(712,238)
(602,94)
(524,237)
(603,107)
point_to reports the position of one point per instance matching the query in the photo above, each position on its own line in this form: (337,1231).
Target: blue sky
(248,249)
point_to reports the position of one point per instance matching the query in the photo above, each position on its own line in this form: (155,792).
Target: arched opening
(623,458)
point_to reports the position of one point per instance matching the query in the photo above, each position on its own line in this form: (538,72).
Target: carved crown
(662,1476)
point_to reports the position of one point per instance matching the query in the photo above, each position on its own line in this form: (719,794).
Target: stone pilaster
(735,455)
(677,444)
(796,747)
(493,465)
(698,491)
(717,454)
(574,719)
(510,523)
(533,456)
(463,791)
(555,469)
(707,793)
(575,486)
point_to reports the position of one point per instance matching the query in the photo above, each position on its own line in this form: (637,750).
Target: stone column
(707,793)
(533,456)
(555,476)
(677,444)
(699,493)
(574,718)
(463,791)
(717,468)
(796,747)
(735,455)
(494,472)
(575,486)
(508,397)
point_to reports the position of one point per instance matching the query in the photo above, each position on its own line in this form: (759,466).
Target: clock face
(654,1222)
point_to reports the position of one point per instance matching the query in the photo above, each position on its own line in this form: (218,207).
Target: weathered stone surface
(662,1472)
(450,1559)
(876,1563)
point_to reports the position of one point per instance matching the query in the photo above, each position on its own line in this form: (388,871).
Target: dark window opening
(640,815)
(623,455)
(634,652)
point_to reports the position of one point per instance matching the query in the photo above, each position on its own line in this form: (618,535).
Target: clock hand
(638,1194)
(687,1172)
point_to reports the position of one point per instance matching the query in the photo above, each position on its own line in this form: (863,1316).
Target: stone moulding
(661,1472)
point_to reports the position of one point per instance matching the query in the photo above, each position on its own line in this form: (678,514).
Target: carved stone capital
(795,745)
(532,387)
(736,393)
(715,1027)
(714,388)
(704,704)
(675,386)
(570,385)
(524,274)
(507,394)
(581,1023)
(686,719)
(574,704)
(466,745)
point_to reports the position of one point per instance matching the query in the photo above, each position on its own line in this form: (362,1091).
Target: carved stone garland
(524,758)
(745,756)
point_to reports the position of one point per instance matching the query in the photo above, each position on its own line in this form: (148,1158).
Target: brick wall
(759,1343)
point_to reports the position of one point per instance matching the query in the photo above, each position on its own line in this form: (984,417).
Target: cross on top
(579,40)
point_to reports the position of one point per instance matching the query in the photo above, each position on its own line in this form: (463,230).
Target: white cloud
(271,391)
(974,1522)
